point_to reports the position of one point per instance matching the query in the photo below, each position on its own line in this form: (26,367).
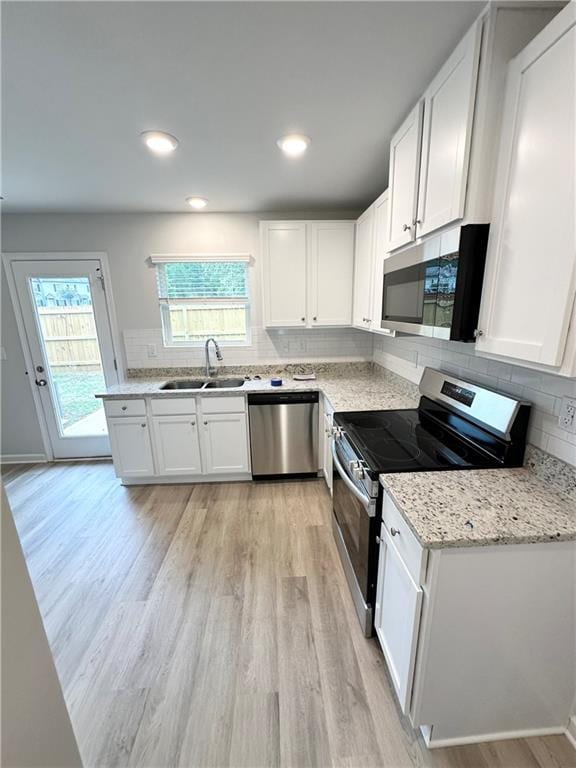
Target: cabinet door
(448,114)
(404,171)
(131,446)
(380,252)
(177,445)
(331,266)
(327,469)
(362,309)
(397,617)
(284,273)
(530,278)
(225,443)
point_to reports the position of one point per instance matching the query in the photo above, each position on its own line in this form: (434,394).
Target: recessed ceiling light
(159,142)
(197,202)
(294,145)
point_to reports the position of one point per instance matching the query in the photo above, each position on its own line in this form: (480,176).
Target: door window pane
(68,335)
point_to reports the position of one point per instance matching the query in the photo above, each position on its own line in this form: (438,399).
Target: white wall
(36,728)
(129,239)
(408,355)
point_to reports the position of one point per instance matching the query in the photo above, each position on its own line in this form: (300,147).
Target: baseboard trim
(571,731)
(482,737)
(23,458)
(188,479)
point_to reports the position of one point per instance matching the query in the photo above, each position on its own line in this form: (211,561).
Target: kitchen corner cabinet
(371,251)
(443,156)
(528,311)
(131,446)
(445,616)
(307,273)
(362,306)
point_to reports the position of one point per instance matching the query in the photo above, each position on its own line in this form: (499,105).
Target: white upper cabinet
(448,114)
(331,266)
(363,269)
(307,273)
(530,281)
(284,273)
(380,253)
(404,171)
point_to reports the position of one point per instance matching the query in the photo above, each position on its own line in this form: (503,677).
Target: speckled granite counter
(536,503)
(349,387)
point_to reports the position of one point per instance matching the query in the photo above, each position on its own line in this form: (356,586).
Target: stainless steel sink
(183,384)
(224,383)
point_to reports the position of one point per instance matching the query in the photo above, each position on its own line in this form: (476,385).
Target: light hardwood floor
(210,625)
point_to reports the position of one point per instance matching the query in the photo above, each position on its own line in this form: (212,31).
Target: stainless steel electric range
(457,425)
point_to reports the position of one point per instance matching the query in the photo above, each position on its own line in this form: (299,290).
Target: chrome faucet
(210,369)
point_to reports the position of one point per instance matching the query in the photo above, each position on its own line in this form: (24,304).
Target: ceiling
(82,80)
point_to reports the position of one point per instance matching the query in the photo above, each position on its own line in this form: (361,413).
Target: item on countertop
(276,382)
(304,377)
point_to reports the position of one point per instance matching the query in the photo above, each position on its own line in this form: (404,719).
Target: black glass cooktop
(408,441)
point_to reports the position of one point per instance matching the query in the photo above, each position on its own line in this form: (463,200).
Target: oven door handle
(366,501)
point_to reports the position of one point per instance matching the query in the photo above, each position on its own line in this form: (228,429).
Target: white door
(225,443)
(131,446)
(331,268)
(404,172)
(362,308)
(379,255)
(531,263)
(397,617)
(448,115)
(65,315)
(284,273)
(177,445)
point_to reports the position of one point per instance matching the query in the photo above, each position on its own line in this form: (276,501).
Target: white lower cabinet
(476,647)
(177,445)
(397,617)
(225,443)
(326,442)
(131,446)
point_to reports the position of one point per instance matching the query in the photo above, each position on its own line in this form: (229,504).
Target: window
(202,297)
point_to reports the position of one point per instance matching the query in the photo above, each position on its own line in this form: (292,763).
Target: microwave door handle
(365,500)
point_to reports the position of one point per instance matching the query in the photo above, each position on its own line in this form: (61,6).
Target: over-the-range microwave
(434,288)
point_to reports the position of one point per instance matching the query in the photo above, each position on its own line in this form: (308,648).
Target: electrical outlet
(567,418)
(152,351)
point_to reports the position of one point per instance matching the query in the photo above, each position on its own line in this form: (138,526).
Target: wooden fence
(70,336)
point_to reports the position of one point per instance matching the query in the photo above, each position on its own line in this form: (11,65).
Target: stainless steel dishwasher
(283,433)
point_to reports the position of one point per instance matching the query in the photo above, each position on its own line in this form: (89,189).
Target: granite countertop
(532,504)
(347,387)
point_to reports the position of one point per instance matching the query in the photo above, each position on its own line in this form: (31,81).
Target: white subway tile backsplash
(543,390)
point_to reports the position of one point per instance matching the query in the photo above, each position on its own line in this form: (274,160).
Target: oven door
(355,530)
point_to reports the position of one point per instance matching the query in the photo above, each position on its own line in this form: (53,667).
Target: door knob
(41,382)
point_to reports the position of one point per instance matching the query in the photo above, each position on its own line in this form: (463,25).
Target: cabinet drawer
(224,404)
(408,546)
(173,406)
(125,407)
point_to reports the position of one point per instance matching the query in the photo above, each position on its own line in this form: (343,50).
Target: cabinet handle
(193,423)
(378,540)
(394,532)
(205,423)
(143,425)
(478,332)
(417,221)
(124,407)
(406,227)
(314,318)
(303,319)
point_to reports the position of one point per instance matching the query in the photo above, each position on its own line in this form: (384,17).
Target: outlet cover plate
(567,417)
